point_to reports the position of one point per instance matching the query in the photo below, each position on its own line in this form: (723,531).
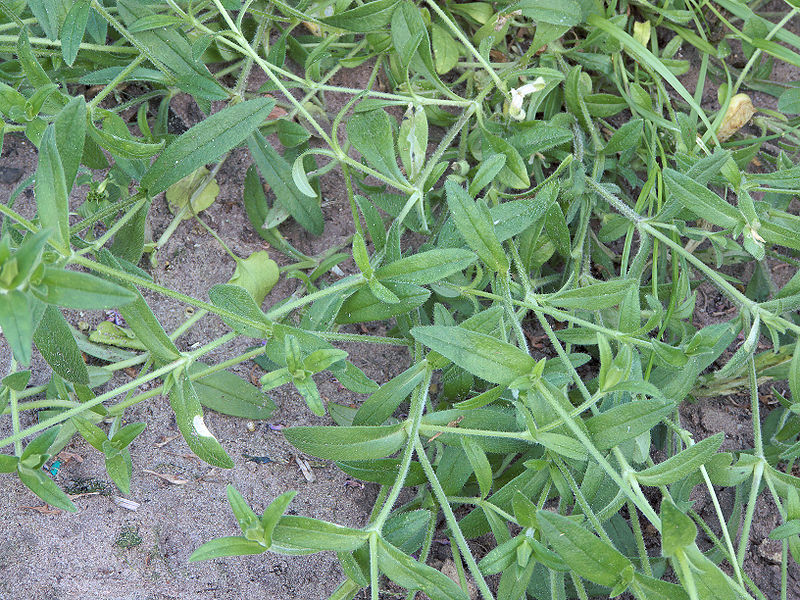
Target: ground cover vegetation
(536,199)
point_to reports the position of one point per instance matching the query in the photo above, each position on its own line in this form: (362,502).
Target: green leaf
(16,321)
(407,31)
(8,464)
(678,530)
(70,130)
(475,225)
(789,101)
(347,443)
(564,12)
(312,535)
(364,18)
(412,575)
(487,171)
(360,255)
(427,267)
(34,72)
(682,464)
(189,416)
(445,49)
(625,137)
(744,352)
(129,240)
(480,464)
(561,444)
(39,446)
(121,144)
(126,435)
(514,173)
(229,394)
(372,134)
(170,51)
(206,142)
(273,513)
(604,294)
(238,300)
(54,340)
(482,355)
(278,174)
(227,546)
(245,516)
(365,306)
(524,510)
(788,529)
(382,403)
(44,487)
(73,289)
(119,467)
(701,201)
(556,227)
(72,31)
(655,589)
(153,22)
(501,557)
(322,359)
(585,553)
(300,177)
(711,582)
(17,381)
(626,421)
(52,201)
(310,392)
(291,134)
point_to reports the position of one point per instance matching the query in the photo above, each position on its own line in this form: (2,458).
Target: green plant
(574,180)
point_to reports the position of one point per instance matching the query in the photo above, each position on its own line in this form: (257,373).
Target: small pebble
(251,427)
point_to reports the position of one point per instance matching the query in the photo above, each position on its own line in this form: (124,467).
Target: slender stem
(438,491)
(115,82)
(83,407)
(417,408)
(744,541)
(374,588)
(637,533)
(84,45)
(755,409)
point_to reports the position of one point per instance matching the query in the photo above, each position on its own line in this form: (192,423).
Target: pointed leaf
(584,552)
(475,225)
(682,464)
(227,546)
(44,487)
(189,416)
(54,340)
(278,174)
(206,142)
(51,192)
(482,355)
(73,289)
(412,575)
(313,535)
(347,443)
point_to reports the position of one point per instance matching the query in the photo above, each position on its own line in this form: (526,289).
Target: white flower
(518,96)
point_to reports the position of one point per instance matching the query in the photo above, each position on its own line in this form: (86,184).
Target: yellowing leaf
(257,273)
(739,112)
(179,194)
